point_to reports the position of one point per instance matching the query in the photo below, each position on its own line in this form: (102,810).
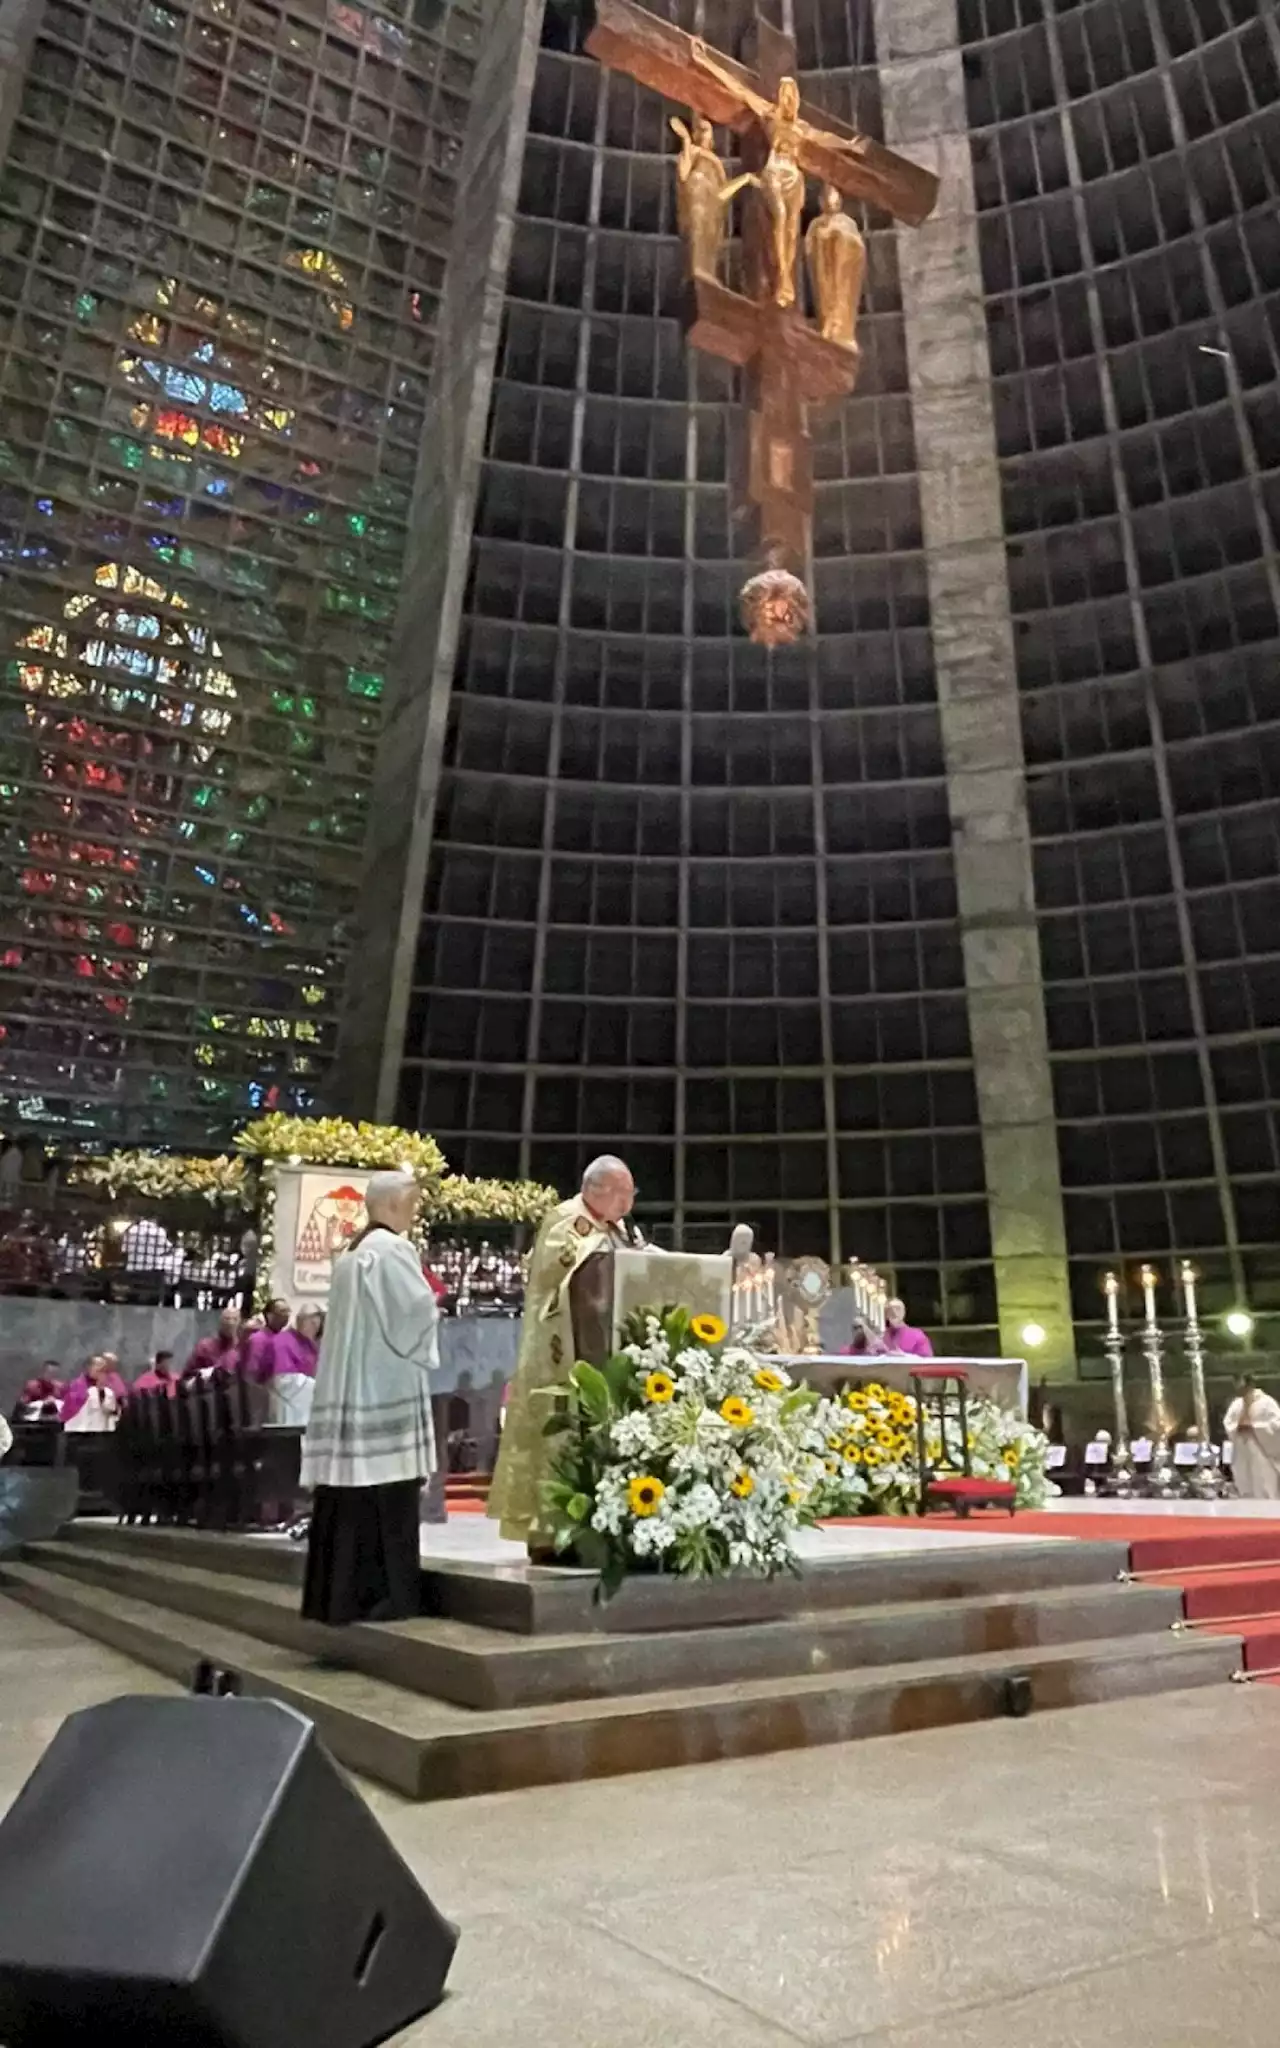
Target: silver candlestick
(1206,1480)
(1119,1480)
(1162,1480)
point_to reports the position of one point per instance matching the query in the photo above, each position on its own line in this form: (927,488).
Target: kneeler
(941,1395)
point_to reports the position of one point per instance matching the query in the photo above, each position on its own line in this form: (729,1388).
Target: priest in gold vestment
(589,1225)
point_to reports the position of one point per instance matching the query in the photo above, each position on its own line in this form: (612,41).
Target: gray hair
(385,1186)
(604,1168)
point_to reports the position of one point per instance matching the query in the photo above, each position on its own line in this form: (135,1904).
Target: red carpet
(1227,1571)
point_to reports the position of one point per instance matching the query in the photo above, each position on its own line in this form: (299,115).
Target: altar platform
(517,1676)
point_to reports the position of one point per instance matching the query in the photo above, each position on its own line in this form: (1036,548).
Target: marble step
(494,1669)
(526,1601)
(428,1749)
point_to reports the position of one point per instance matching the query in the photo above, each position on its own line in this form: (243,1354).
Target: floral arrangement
(685,1453)
(458,1200)
(160,1176)
(278,1140)
(866,1439)
(332,1141)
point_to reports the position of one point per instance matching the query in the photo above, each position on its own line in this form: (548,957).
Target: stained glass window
(210,284)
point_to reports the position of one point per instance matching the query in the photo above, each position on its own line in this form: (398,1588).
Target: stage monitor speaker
(198,1873)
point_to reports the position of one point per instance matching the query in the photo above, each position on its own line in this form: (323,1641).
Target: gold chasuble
(548,1348)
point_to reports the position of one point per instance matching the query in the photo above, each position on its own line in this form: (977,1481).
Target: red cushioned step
(940,1372)
(961,1488)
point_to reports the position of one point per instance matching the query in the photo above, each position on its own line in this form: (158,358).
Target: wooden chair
(941,1395)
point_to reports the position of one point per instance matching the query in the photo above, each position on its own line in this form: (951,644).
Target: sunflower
(645,1495)
(873,1455)
(708,1329)
(737,1411)
(659,1387)
(875,1392)
(769,1381)
(853,1454)
(884,1437)
(1011,1453)
(743,1486)
(858,1403)
(832,1465)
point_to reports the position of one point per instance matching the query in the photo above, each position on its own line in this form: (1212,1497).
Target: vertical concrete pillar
(922,87)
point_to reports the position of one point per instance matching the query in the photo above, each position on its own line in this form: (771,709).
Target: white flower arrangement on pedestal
(684,1453)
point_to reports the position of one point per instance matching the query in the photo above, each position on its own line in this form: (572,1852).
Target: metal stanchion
(1119,1481)
(1206,1481)
(1162,1482)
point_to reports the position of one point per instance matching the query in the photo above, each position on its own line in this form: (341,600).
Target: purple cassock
(906,1341)
(276,1354)
(77,1393)
(211,1351)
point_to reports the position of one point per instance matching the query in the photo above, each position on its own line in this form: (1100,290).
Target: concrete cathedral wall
(949,363)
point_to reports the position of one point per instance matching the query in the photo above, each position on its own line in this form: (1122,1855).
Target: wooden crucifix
(790,363)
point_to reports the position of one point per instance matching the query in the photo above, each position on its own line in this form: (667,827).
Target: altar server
(1252,1425)
(594,1221)
(369,1444)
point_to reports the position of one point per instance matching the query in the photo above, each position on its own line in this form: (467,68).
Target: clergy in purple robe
(258,1360)
(159,1377)
(94,1400)
(223,1348)
(294,1360)
(899,1335)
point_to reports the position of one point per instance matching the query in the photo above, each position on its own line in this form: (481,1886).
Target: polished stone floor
(1088,1879)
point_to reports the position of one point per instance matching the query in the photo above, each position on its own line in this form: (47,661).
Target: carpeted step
(1206,1542)
(1222,1596)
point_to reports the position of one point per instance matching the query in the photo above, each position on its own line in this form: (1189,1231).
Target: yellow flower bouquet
(685,1453)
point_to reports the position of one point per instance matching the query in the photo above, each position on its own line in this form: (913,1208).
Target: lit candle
(1112,1286)
(1187,1274)
(1149,1292)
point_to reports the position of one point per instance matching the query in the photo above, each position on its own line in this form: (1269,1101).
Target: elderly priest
(369,1444)
(566,1316)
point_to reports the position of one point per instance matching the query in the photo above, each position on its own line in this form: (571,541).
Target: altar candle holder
(1206,1481)
(1120,1480)
(1162,1482)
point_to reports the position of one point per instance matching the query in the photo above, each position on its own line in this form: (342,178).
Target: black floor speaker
(197,1873)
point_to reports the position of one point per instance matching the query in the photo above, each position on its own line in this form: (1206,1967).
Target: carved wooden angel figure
(702,195)
(836,256)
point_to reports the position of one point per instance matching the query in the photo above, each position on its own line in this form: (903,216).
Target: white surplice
(1255,1462)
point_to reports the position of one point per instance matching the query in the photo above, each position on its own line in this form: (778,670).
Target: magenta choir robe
(257,1360)
(150,1382)
(77,1393)
(295,1353)
(278,1354)
(906,1342)
(211,1351)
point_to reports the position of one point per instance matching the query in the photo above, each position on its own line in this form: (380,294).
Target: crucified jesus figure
(781,182)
